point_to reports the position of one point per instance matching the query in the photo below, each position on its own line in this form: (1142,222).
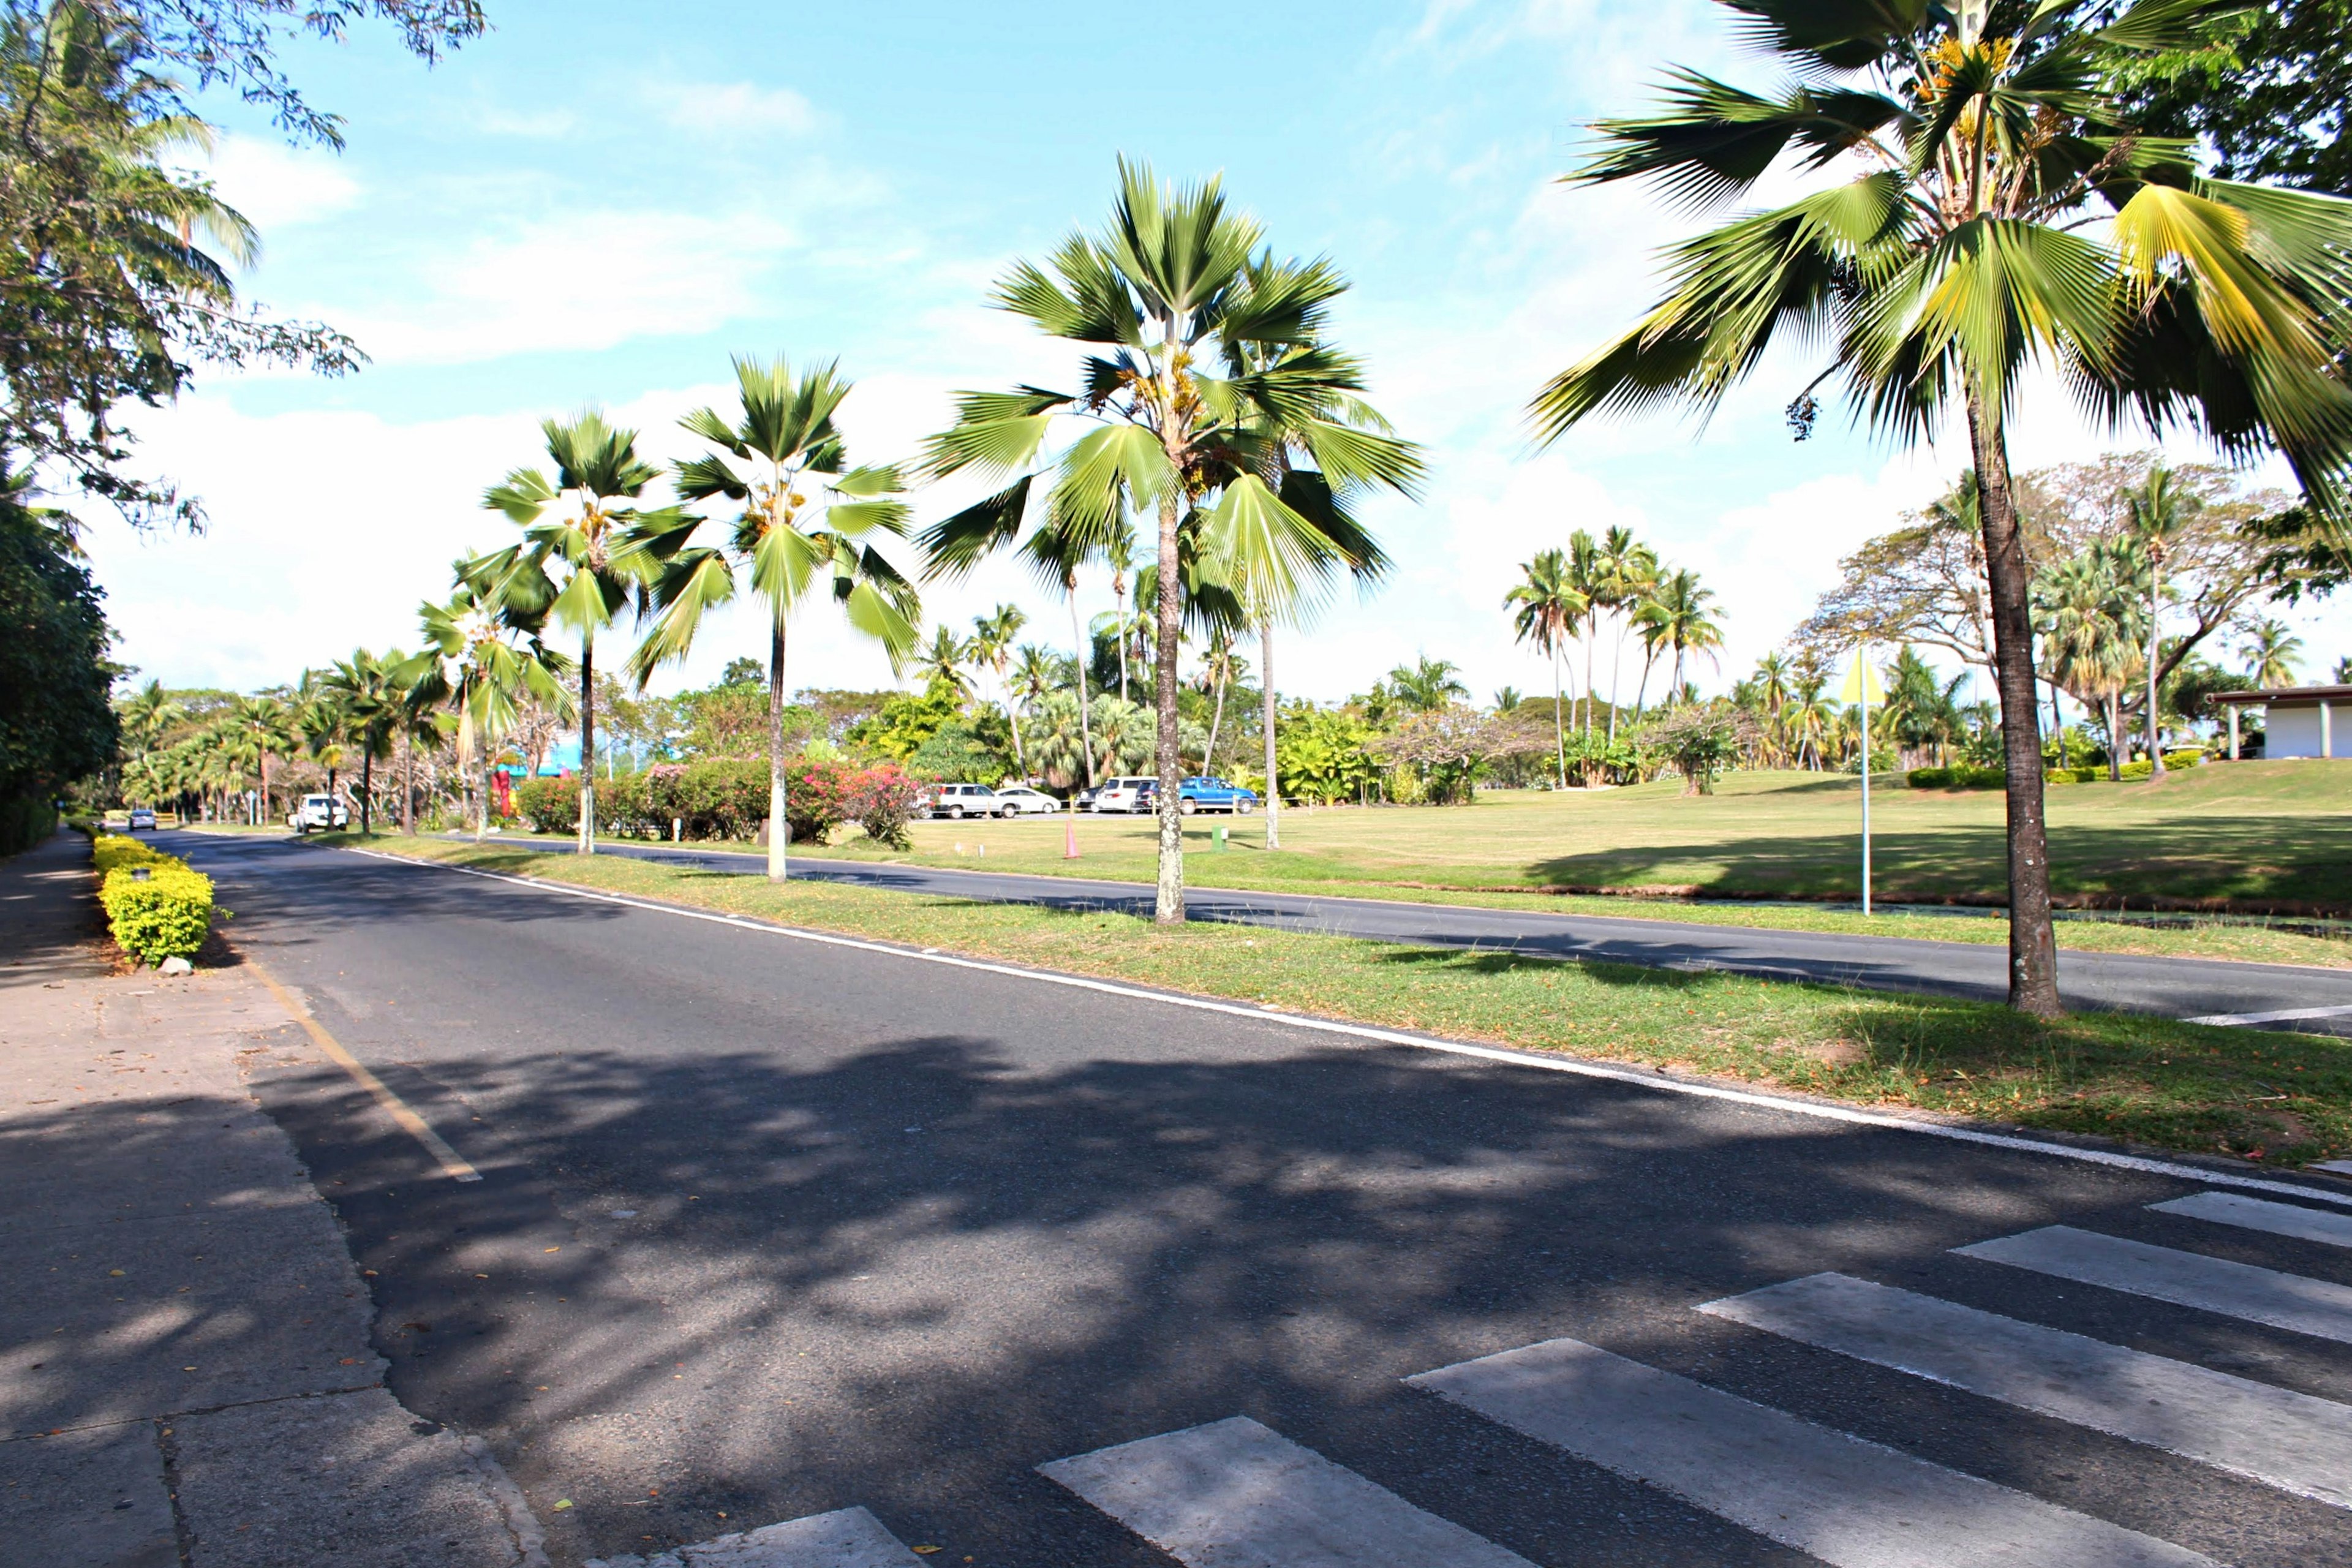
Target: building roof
(2285,694)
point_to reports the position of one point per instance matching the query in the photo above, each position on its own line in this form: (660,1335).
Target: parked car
(1214,795)
(318,812)
(1087,797)
(957,801)
(142,817)
(1028,802)
(1122,794)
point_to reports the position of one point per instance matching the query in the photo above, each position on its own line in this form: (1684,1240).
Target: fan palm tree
(267,726)
(2160,511)
(992,645)
(806,524)
(1982,202)
(322,722)
(1173,291)
(587,552)
(1548,608)
(483,668)
(2271,653)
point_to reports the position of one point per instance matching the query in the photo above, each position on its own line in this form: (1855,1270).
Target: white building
(2297,720)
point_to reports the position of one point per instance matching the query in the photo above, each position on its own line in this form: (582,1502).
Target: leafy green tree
(806,526)
(2265,87)
(1175,290)
(2006,211)
(1548,609)
(56,722)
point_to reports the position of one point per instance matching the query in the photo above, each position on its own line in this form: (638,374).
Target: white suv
(318,811)
(1123,795)
(957,801)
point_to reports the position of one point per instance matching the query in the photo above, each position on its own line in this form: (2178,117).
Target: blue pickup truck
(1207,794)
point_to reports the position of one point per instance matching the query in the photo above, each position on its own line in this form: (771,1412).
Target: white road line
(1233,1494)
(1849,1503)
(2253,1214)
(847,1538)
(2233,1020)
(2316,1307)
(1546,1062)
(2290,1440)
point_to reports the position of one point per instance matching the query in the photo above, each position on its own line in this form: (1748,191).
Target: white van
(1122,795)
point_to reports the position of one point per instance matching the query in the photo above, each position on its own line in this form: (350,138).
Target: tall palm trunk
(2032,945)
(1078,640)
(587,743)
(408,784)
(1558,726)
(1273,783)
(2114,737)
(367,787)
(779,830)
(1216,722)
(1168,908)
(1642,692)
(2155,592)
(265,788)
(1616,668)
(1588,674)
(1119,599)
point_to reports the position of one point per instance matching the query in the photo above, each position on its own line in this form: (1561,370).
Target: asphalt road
(770,1228)
(2170,987)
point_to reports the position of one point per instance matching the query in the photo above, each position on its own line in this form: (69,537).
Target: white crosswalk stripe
(845,1538)
(1850,1503)
(2290,1440)
(2316,1307)
(1235,1494)
(2260,1214)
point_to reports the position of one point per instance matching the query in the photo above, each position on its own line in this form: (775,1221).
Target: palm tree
(941,662)
(2161,509)
(1678,613)
(806,524)
(1219,669)
(372,701)
(992,645)
(481,666)
(265,724)
(1589,583)
(1550,609)
(2272,651)
(1174,290)
(1997,207)
(1628,570)
(587,552)
(2087,610)
(147,715)
(322,722)
(1428,684)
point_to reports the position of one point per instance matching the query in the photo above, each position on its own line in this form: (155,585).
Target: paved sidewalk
(185,1371)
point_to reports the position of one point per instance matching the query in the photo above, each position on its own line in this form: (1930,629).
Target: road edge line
(1547,1061)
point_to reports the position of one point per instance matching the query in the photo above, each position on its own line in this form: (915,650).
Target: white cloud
(720,107)
(278,187)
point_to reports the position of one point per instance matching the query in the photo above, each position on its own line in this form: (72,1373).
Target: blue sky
(601,202)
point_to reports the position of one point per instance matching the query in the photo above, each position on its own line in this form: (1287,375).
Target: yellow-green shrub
(167,915)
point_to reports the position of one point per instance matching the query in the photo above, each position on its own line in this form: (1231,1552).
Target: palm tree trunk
(1078,637)
(2114,737)
(367,786)
(2154,590)
(408,784)
(1119,599)
(2032,944)
(1216,722)
(1168,908)
(1273,785)
(1588,674)
(779,830)
(265,789)
(1616,668)
(587,743)
(1558,728)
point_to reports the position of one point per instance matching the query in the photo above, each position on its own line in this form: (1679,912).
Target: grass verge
(2279,1099)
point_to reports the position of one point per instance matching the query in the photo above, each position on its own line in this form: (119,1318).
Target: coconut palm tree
(1980,201)
(1587,580)
(992,645)
(1678,613)
(1548,609)
(587,552)
(1428,684)
(1173,291)
(942,661)
(806,524)
(147,715)
(2160,510)
(483,668)
(1627,571)
(2272,652)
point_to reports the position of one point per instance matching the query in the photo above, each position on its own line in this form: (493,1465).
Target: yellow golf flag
(1851,693)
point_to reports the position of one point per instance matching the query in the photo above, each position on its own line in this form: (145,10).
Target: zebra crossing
(1234,1493)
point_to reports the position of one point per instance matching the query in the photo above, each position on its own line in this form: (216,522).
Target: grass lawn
(2279,1099)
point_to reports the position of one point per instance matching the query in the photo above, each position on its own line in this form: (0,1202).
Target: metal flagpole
(1861,680)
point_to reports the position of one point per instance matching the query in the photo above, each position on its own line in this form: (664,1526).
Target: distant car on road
(142,817)
(318,812)
(1028,802)
(1214,795)
(1125,795)
(957,801)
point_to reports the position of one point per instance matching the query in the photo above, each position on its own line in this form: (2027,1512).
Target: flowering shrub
(164,916)
(882,801)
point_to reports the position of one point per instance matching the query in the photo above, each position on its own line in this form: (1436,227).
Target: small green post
(1221,836)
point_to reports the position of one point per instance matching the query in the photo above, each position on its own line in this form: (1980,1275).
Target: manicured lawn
(2280,1098)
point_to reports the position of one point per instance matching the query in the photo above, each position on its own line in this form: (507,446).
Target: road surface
(774,1229)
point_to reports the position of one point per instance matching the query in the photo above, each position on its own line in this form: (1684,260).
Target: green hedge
(728,798)
(26,821)
(167,914)
(1959,777)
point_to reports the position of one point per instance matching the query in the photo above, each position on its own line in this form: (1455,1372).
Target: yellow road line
(452,1165)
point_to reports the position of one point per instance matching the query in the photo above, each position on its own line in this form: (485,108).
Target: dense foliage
(157,906)
(56,724)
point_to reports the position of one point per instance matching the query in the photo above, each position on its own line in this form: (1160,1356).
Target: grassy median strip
(2279,1099)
